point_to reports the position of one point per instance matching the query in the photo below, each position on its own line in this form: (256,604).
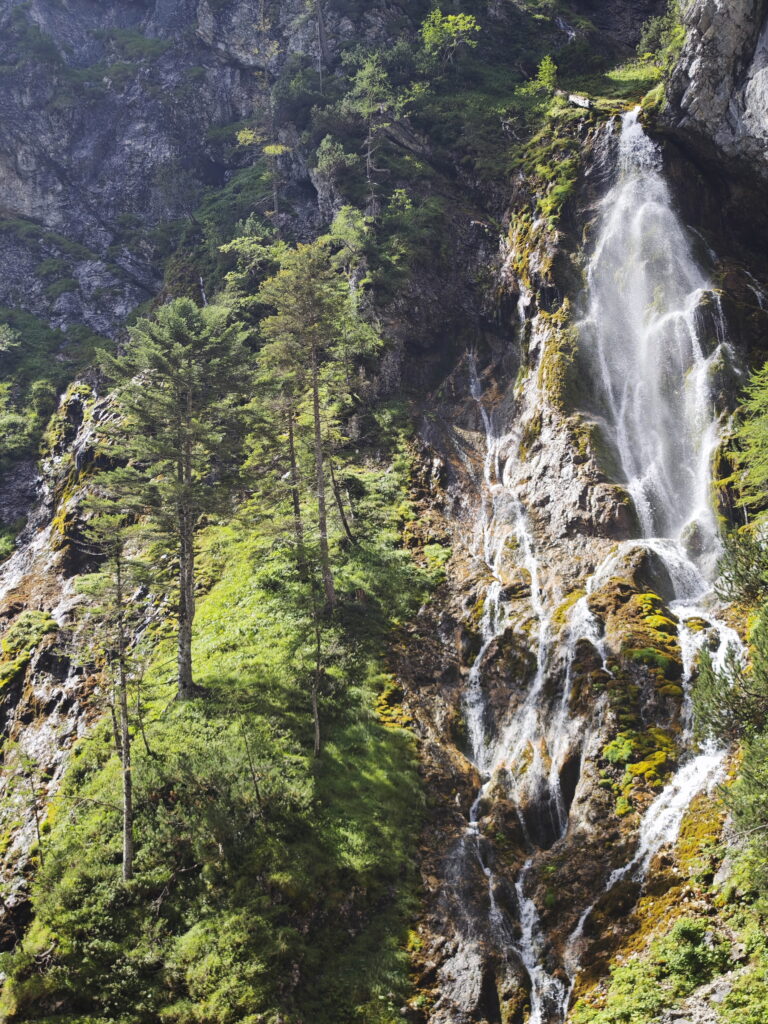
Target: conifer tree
(111,619)
(182,387)
(310,338)
(372,99)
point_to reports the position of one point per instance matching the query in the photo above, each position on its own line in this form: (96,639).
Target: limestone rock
(719,90)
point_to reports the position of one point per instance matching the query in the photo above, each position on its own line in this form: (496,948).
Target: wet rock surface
(570,656)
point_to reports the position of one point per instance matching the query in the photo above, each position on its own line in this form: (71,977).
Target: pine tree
(311,339)
(182,387)
(753,436)
(111,618)
(445,35)
(372,99)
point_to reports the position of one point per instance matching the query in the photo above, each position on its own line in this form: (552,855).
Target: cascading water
(500,519)
(652,337)
(650,306)
(650,310)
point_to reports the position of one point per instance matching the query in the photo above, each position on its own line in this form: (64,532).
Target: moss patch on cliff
(20,641)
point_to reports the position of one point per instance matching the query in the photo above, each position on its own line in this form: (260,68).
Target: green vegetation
(246,851)
(36,362)
(264,876)
(131,45)
(689,956)
(663,37)
(732,703)
(181,432)
(245,856)
(20,641)
(444,35)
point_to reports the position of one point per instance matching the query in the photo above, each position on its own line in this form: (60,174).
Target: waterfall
(650,341)
(652,334)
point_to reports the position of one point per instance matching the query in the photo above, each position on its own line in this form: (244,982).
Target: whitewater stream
(653,337)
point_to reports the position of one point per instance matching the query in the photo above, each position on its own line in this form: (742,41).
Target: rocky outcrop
(718,93)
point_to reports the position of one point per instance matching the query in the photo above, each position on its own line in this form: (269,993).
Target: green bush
(690,955)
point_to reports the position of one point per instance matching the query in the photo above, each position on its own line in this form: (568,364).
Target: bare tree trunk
(276,193)
(115,727)
(186,606)
(372,205)
(322,519)
(298,523)
(251,765)
(316,675)
(125,736)
(274,164)
(36,814)
(140,717)
(340,504)
(186,527)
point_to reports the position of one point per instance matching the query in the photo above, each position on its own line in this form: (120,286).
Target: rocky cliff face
(719,90)
(113,132)
(571,627)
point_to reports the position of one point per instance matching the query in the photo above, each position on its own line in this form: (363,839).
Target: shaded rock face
(719,91)
(620,20)
(108,112)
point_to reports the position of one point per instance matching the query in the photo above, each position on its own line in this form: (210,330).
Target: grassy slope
(266,881)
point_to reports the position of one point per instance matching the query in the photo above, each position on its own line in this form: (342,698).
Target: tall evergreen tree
(372,99)
(309,340)
(753,436)
(182,387)
(111,617)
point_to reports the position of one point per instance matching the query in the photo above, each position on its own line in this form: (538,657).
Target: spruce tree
(313,334)
(182,387)
(111,618)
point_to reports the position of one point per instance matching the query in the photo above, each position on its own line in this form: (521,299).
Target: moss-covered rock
(20,641)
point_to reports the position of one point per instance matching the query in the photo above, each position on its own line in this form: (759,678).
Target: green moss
(623,807)
(551,159)
(563,610)
(26,632)
(671,690)
(699,849)
(389,705)
(20,641)
(557,376)
(653,658)
(646,758)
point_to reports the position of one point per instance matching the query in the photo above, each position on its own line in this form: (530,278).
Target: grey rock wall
(718,94)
